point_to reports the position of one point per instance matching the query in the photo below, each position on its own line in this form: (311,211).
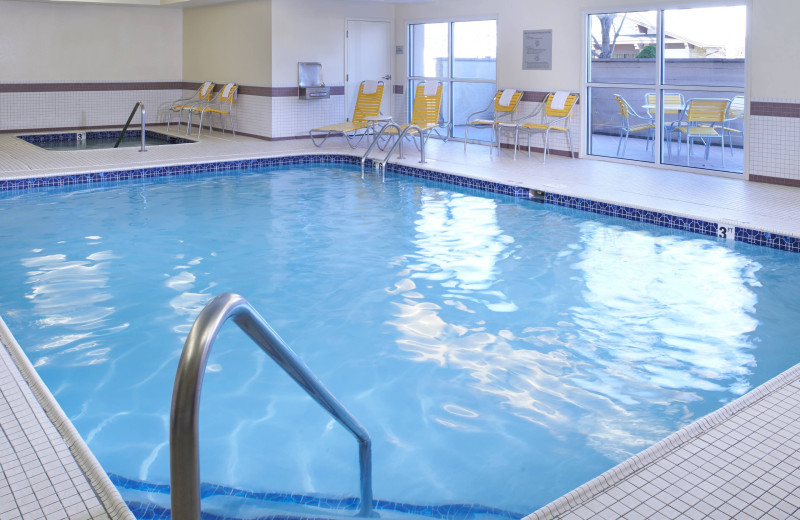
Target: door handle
(388,76)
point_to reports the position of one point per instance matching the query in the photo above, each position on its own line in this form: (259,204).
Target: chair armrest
(490,105)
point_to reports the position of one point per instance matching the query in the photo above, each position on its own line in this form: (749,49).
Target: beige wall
(774,42)
(59,42)
(313,30)
(228,42)
(513,17)
(774,68)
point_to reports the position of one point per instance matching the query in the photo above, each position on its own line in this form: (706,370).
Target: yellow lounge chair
(425,115)
(222,105)
(501,113)
(202,95)
(366,111)
(555,117)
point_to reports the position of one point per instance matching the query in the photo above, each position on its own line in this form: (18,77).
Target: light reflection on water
(660,318)
(543,346)
(71,294)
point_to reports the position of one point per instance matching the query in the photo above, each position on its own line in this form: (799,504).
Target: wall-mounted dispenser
(310,81)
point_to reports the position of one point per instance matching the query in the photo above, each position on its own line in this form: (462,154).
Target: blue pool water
(69,141)
(500,352)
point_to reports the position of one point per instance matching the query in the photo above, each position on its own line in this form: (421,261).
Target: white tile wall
(294,117)
(253,115)
(399,108)
(775,144)
(31,110)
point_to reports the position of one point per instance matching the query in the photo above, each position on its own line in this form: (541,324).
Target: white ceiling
(192,3)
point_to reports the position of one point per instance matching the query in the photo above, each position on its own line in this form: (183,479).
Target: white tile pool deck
(742,461)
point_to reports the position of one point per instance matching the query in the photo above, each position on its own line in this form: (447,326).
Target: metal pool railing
(184,458)
(128,122)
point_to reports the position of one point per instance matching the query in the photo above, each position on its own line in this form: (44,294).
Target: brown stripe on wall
(773,109)
(89,87)
(267,91)
(398,89)
(775,180)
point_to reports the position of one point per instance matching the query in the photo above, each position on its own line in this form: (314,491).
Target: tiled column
(775,141)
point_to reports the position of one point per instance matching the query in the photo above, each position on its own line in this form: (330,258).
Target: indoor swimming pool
(499,351)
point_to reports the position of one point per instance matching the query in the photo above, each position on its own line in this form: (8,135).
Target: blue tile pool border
(748,236)
(439,512)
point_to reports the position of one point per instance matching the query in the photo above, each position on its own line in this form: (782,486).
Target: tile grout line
(106,492)
(643,459)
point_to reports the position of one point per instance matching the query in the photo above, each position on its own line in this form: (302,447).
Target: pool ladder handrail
(399,142)
(184,458)
(128,122)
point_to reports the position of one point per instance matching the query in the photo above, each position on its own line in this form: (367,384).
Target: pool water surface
(98,140)
(500,352)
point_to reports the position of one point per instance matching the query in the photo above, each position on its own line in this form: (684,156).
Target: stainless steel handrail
(128,122)
(399,142)
(374,142)
(183,439)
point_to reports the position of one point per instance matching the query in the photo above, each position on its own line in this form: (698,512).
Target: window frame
(659,86)
(447,82)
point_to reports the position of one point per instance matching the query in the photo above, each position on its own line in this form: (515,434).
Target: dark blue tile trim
(639,215)
(444,512)
(495,187)
(750,236)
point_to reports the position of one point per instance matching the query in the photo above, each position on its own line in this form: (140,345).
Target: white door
(369,56)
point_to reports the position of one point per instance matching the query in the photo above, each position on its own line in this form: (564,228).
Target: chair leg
(466,133)
(619,145)
(546,139)
(569,143)
(516,142)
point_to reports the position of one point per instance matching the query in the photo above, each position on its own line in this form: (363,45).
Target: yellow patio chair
(202,95)
(640,124)
(222,105)
(735,112)
(701,116)
(425,114)
(503,107)
(365,113)
(674,105)
(555,117)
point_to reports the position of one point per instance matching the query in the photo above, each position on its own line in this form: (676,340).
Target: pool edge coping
(649,456)
(106,492)
(672,220)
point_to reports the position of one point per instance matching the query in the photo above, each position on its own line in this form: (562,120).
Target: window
(461,55)
(661,84)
